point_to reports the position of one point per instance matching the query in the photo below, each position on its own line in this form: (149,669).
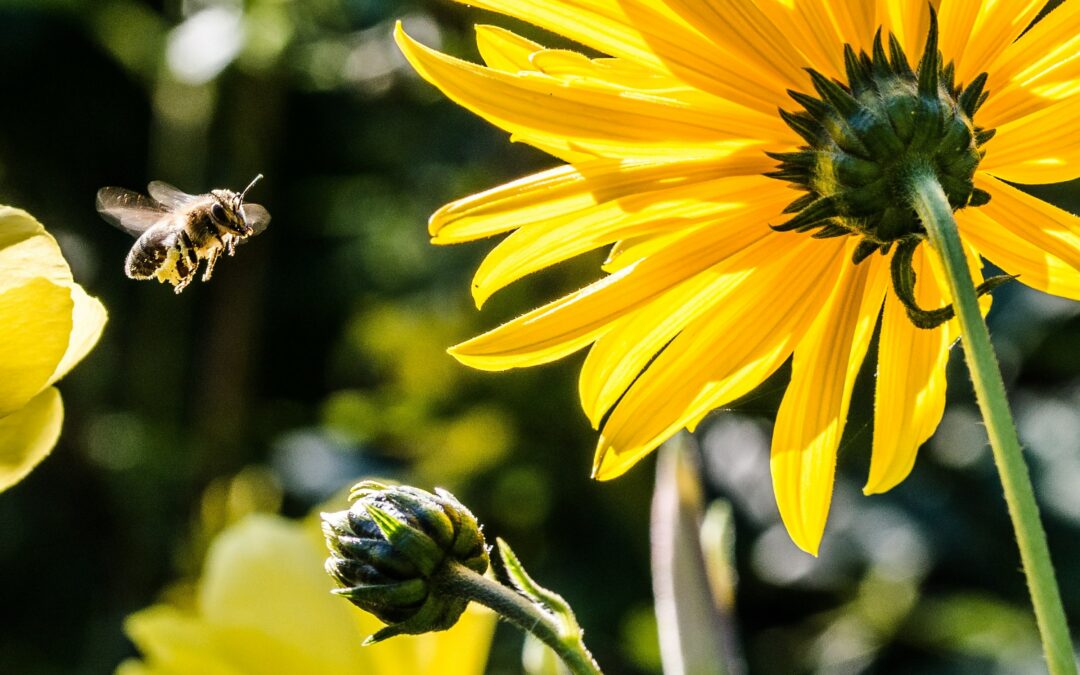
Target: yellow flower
(264,606)
(665,141)
(47,324)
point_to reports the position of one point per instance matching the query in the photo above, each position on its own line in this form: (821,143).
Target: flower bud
(387,549)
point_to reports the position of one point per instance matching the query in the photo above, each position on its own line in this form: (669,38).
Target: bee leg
(182,283)
(210,260)
(230,244)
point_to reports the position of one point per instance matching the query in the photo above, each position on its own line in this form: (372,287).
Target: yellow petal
(623,353)
(539,245)
(566,190)
(28,252)
(1043,147)
(1037,70)
(999,24)
(807,25)
(536,107)
(1037,268)
(35,323)
(650,34)
(629,251)
(88,321)
(1053,230)
(909,394)
(956,19)
(744,337)
(568,324)
(28,435)
(740,28)
(812,416)
(911,23)
(504,50)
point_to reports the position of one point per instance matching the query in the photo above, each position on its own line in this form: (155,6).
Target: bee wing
(257,217)
(130,211)
(171,197)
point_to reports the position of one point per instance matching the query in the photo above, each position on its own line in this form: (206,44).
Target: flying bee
(176,231)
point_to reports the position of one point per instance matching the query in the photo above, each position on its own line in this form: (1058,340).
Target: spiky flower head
(388,546)
(864,140)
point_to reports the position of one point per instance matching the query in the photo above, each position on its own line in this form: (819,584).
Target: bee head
(227,210)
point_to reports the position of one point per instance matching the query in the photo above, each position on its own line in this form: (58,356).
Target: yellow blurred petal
(28,435)
(28,252)
(175,642)
(1037,268)
(1043,147)
(1043,225)
(504,50)
(266,574)
(535,106)
(649,34)
(88,321)
(567,190)
(1037,70)
(812,416)
(264,607)
(568,324)
(750,330)
(542,244)
(35,323)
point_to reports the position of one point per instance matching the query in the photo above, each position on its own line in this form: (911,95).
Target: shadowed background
(317,355)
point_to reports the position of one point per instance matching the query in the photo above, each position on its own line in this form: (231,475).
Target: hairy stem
(934,211)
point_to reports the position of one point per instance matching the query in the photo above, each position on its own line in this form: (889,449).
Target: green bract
(865,139)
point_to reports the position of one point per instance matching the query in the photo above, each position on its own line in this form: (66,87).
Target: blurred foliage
(316,356)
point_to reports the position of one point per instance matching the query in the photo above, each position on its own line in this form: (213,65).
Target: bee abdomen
(163,254)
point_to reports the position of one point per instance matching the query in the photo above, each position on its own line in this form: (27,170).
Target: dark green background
(317,355)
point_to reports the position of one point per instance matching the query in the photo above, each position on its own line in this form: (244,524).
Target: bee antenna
(254,180)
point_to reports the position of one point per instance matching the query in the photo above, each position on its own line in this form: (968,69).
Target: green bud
(388,548)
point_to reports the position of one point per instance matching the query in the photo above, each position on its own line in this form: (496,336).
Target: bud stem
(456,579)
(932,206)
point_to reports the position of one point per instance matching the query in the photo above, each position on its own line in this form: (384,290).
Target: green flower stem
(936,215)
(456,579)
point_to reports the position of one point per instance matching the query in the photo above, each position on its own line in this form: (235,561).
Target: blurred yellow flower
(47,324)
(263,606)
(665,139)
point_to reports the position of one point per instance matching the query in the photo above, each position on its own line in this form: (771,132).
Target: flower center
(865,138)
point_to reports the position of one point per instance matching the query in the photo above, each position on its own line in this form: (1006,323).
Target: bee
(176,231)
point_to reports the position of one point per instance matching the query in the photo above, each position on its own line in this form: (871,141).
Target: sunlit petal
(1016,255)
(1043,147)
(711,362)
(1055,231)
(811,418)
